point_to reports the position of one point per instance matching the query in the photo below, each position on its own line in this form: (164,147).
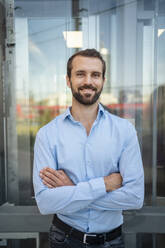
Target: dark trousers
(58,239)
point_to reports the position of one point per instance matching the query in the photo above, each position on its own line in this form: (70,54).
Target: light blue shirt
(112,146)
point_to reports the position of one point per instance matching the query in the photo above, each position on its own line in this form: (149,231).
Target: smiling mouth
(88,88)
(87,91)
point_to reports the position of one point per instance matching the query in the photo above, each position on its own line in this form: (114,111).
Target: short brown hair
(85,53)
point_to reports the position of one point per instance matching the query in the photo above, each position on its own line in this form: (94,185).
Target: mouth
(87,91)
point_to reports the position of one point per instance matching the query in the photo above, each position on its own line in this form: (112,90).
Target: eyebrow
(91,71)
(80,71)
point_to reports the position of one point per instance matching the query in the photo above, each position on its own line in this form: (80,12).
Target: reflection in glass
(161,108)
(161,141)
(43,45)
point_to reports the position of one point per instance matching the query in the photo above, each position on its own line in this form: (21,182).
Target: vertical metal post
(155,99)
(2,143)
(75,15)
(154,143)
(139,77)
(10,105)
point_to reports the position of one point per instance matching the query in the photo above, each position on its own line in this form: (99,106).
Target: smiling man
(87,164)
(87,79)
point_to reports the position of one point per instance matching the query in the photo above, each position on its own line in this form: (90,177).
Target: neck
(84,113)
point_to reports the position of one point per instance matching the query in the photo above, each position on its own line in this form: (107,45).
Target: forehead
(87,64)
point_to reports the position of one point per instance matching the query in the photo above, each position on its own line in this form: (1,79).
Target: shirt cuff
(98,187)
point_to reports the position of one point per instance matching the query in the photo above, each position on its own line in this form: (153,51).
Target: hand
(55,178)
(113,181)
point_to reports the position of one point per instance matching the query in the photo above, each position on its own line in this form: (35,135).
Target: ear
(68,81)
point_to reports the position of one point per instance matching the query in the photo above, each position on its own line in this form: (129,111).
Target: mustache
(87,86)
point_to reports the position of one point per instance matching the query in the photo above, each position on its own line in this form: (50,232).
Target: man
(87,164)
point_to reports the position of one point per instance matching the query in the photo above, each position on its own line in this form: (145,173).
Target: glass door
(161,105)
(41,36)
(2,142)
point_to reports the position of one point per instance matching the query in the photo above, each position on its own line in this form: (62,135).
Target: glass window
(40,38)
(46,33)
(161,108)
(42,46)
(150,240)
(2,123)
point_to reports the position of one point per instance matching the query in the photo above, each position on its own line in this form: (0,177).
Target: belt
(86,238)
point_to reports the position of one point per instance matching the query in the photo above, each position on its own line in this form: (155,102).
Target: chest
(85,156)
(88,127)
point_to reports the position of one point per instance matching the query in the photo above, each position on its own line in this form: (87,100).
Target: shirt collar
(101,112)
(67,113)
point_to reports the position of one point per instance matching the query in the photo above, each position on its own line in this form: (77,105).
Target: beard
(86,99)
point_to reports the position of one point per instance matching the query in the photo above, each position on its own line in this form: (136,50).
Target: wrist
(106,181)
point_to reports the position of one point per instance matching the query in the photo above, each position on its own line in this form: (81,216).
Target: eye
(80,74)
(96,74)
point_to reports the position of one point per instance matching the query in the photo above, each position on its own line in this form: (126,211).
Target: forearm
(69,199)
(58,178)
(124,198)
(129,196)
(63,199)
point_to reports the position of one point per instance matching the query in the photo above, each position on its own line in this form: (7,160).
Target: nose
(88,79)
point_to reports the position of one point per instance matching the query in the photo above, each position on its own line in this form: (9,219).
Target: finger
(49,181)
(59,174)
(58,180)
(42,172)
(43,169)
(47,184)
(63,175)
(48,174)
(53,171)
(49,178)
(52,177)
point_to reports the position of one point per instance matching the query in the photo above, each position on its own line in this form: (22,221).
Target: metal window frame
(2,126)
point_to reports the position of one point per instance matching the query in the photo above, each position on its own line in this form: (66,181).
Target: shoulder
(121,126)
(119,121)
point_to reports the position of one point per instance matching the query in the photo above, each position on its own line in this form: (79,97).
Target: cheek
(77,83)
(99,85)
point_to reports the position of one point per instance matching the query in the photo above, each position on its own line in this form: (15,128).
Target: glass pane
(160,240)
(149,240)
(161,109)
(147,113)
(46,34)
(41,94)
(122,94)
(144,240)
(2,159)
(161,7)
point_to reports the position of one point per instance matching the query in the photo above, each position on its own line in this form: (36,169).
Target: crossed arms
(57,178)
(56,193)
